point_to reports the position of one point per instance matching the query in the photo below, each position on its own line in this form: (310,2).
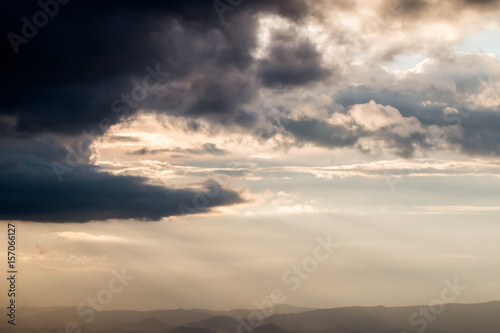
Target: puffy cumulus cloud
(373,117)
(445,102)
(372,127)
(388,125)
(454,97)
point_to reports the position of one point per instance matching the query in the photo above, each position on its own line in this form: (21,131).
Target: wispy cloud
(429,210)
(83,236)
(296,209)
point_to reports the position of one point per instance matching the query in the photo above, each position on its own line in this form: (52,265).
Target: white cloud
(299,208)
(373,116)
(430,210)
(83,236)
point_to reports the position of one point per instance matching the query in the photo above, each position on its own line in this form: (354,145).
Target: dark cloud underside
(29,191)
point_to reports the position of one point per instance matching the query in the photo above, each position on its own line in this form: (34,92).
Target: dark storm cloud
(66,77)
(205,149)
(80,72)
(291,62)
(46,149)
(29,191)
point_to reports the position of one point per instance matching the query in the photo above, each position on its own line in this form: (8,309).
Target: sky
(209,148)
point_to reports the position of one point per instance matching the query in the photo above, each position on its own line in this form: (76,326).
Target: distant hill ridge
(452,318)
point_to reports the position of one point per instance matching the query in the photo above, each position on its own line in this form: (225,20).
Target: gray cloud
(206,148)
(79,72)
(465,83)
(321,133)
(29,191)
(67,79)
(291,62)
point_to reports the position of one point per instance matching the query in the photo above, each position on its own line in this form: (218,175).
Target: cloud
(373,116)
(123,138)
(399,167)
(215,75)
(205,149)
(66,80)
(458,209)
(30,191)
(296,209)
(382,126)
(455,93)
(144,151)
(291,62)
(321,133)
(84,236)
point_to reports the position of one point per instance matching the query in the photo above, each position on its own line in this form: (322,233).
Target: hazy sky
(205,149)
